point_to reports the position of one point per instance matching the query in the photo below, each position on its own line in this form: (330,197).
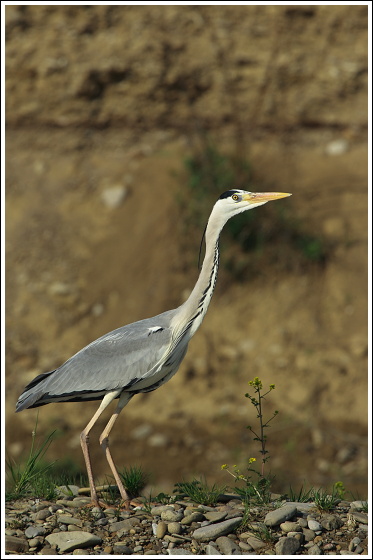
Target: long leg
(104,442)
(84,441)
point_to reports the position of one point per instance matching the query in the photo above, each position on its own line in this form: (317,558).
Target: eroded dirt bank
(104,97)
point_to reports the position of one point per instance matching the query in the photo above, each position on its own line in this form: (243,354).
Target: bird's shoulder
(132,337)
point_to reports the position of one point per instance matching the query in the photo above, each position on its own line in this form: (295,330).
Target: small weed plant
(302,495)
(258,490)
(33,476)
(134,480)
(325,501)
(199,491)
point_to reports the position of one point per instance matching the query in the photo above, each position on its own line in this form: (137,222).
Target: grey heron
(142,356)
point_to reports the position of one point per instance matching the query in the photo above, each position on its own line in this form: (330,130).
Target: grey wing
(131,356)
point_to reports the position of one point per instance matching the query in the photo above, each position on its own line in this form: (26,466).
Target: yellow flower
(224,467)
(252,460)
(256,382)
(272,386)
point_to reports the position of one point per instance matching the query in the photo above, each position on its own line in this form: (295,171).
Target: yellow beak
(253,198)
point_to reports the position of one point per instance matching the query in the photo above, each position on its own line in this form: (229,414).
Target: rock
(34,543)
(288,526)
(315,550)
(358,505)
(124,525)
(41,515)
(360,516)
(216,516)
(353,543)
(48,551)
(32,532)
(308,534)
(174,528)
(234,513)
(113,197)
(245,547)
(287,546)
(227,546)
(172,539)
(212,551)
(278,516)
(181,551)
(331,522)
(314,525)
(337,147)
(15,544)
(69,520)
(255,543)
(67,542)
(157,510)
(303,507)
(211,532)
(80,502)
(296,535)
(192,518)
(121,548)
(161,530)
(172,515)
(69,490)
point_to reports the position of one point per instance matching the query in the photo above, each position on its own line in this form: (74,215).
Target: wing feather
(129,356)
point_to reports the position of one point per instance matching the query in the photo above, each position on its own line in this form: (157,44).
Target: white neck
(193,310)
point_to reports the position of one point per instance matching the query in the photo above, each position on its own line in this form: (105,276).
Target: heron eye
(235,197)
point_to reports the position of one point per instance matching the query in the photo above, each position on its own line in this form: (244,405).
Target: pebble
(227,546)
(113,197)
(287,546)
(55,528)
(216,516)
(161,530)
(331,522)
(212,551)
(314,525)
(32,532)
(192,518)
(66,542)
(171,515)
(122,548)
(315,550)
(309,535)
(255,543)
(337,147)
(288,526)
(15,544)
(216,529)
(174,528)
(69,520)
(358,505)
(360,517)
(278,516)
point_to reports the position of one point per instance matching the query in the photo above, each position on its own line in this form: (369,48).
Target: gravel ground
(70,526)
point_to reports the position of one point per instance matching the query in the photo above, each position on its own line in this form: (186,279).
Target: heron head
(235,201)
